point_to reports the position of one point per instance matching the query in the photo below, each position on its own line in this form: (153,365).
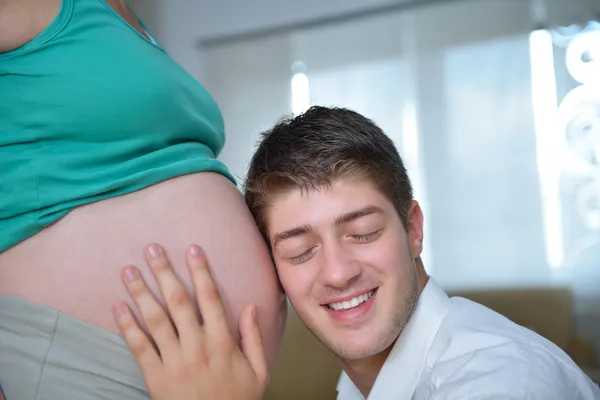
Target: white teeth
(344,305)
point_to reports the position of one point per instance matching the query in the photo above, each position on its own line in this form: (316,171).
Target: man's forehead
(324,205)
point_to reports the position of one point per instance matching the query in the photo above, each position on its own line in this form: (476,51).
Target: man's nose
(339,267)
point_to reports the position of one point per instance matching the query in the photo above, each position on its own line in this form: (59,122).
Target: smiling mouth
(355,302)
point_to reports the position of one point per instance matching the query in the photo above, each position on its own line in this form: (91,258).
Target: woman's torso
(91,109)
(73,265)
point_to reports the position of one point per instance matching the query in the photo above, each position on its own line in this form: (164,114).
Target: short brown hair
(318,147)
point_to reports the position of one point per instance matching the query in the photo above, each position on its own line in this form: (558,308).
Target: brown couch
(305,369)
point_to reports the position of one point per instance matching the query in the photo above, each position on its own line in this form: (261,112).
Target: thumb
(252,345)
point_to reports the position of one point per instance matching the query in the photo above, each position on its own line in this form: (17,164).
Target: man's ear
(415,229)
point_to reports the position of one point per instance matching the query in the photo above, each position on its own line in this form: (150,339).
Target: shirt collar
(404,366)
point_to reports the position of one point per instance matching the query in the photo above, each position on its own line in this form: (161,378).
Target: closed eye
(302,257)
(368,237)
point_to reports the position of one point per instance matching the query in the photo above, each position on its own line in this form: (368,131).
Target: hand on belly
(192,361)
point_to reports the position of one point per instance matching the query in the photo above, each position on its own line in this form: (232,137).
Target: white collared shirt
(453,348)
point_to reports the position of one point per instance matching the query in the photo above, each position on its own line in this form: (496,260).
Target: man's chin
(352,349)
(354,344)
(354,354)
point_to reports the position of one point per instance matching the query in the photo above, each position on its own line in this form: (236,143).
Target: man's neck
(363,372)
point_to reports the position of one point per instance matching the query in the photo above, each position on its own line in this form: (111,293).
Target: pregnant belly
(74,265)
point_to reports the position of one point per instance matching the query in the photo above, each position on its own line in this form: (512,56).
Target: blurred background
(494,106)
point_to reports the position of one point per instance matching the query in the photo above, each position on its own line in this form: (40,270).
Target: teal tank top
(90,109)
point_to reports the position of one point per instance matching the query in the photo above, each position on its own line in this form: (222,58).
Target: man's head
(332,198)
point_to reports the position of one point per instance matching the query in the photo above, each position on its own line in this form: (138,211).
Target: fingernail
(254,313)
(131,274)
(120,309)
(154,250)
(196,251)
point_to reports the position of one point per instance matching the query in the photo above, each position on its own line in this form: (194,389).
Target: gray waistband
(46,355)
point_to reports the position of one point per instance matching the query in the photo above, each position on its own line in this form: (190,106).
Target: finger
(178,300)
(252,345)
(207,294)
(152,314)
(142,349)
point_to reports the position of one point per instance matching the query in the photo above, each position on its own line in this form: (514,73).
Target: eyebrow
(341,220)
(290,233)
(354,215)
